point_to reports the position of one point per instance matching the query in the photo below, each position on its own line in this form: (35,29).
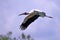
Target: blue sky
(41,29)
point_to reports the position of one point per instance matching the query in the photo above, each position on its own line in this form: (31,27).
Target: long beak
(49,16)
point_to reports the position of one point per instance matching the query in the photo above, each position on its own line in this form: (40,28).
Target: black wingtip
(22,27)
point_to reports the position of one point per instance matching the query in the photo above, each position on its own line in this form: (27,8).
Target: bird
(31,17)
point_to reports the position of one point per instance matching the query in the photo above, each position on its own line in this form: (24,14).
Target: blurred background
(41,29)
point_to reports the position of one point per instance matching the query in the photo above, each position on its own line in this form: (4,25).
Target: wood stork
(31,18)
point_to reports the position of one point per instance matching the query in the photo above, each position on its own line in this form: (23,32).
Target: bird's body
(28,20)
(31,18)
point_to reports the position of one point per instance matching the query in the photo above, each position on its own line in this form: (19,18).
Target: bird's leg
(25,13)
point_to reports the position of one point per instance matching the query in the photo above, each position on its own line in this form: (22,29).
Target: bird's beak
(49,16)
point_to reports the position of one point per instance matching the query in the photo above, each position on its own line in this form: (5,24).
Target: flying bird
(31,17)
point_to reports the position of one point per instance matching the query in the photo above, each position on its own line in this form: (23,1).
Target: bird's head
(43,14)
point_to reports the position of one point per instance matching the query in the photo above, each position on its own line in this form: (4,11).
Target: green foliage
(23,36)
(8,37)
(26,37)
(4,38)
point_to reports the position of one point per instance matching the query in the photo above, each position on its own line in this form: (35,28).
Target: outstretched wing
(28,20)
